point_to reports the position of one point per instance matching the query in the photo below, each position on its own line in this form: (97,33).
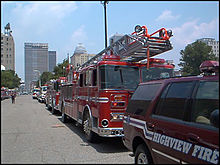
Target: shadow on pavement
(103,145)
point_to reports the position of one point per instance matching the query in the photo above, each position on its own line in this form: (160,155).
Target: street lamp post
(39,77)
(104,3)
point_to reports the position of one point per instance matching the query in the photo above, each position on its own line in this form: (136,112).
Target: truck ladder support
(148,57)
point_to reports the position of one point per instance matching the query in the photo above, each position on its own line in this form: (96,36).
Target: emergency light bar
(209,67)
(156,60)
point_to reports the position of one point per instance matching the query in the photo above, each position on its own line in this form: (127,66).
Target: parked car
(175,120)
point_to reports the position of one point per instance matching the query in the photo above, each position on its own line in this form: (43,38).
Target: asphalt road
(31,134)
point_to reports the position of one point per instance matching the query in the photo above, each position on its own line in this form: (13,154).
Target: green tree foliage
(9,79)
(60,69)
(193,55)
(46,76)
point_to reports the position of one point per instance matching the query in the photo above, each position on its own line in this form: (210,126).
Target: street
(31,134)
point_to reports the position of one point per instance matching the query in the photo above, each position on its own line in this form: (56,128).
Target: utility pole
(105,3)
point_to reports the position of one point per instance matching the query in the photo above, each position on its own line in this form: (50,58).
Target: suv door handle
(150,126)
(193,138)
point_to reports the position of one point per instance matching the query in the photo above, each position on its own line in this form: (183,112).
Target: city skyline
(65,24)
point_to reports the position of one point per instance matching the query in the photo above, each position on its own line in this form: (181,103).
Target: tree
(193,55)
(60,69)
(9,79)
(46,76)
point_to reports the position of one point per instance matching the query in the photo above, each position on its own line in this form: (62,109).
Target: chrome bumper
(110,132)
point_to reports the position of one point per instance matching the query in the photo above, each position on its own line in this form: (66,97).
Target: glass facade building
(52,60)
(36,62)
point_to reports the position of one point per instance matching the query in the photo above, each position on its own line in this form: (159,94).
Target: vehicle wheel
(64,117)
(87,128)
(142,155)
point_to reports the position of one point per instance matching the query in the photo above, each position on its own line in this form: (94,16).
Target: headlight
(104,123)
(117,116)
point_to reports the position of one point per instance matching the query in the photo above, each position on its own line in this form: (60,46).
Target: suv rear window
(205,102)
(173,100)
(141,98)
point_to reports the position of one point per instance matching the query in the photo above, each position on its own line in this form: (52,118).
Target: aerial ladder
(139,45)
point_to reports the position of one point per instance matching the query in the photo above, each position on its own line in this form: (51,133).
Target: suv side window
(173,100)
(205,102)
(141,99)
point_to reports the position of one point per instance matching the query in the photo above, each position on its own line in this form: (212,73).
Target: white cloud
(167,16)
(188,33)
(79,35)
(41,16)
(191,31)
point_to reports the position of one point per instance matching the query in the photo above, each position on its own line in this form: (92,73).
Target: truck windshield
(119,77)
(44,88)
(36,90)
(155,73)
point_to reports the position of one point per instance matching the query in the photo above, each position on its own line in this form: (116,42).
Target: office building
(36,62)
(80,56)
(213,43)
(7,49)
(52,60)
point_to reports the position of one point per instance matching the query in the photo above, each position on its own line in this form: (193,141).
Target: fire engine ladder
(134,48)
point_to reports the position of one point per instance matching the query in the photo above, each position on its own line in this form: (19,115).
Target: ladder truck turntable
(97,93)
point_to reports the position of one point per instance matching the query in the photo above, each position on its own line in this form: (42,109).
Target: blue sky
(64,24)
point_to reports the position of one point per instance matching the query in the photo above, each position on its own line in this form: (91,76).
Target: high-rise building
(213,43)
(52,60)
(80,56)
(36,62)
(7,49)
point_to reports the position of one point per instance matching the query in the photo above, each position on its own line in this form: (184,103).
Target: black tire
(87,128)
(64,117)
(142,155)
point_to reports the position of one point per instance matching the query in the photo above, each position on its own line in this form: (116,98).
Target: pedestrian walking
(13,95)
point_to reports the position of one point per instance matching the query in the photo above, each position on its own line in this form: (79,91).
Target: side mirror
(214,118)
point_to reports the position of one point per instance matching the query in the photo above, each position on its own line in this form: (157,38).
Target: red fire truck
(53,93)
(96,94)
